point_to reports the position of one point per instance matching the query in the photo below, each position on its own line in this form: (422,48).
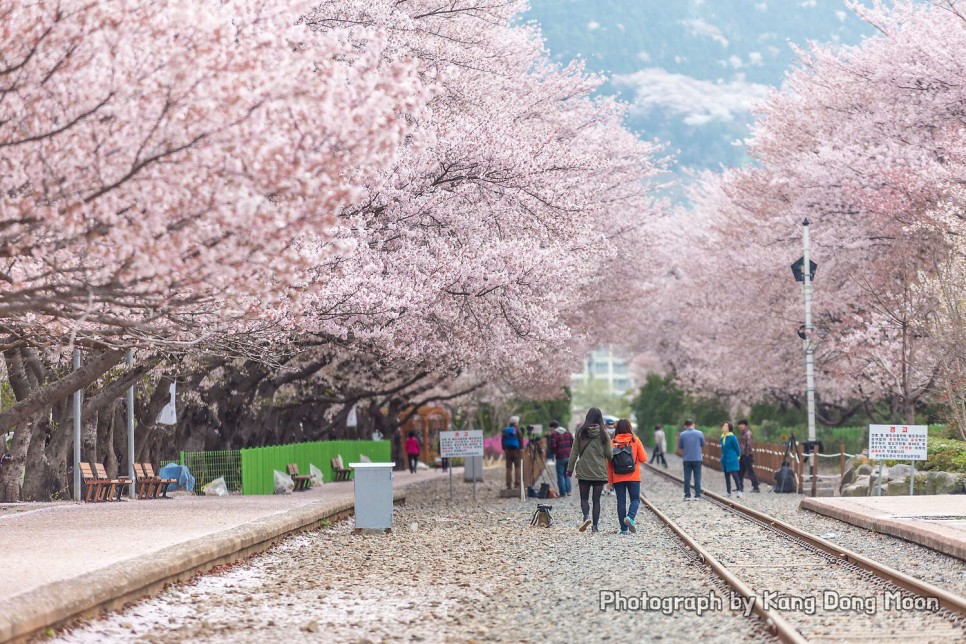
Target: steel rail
(778,625)
(951,602)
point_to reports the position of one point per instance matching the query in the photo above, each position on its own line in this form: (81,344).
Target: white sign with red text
(898,442)
(464,443)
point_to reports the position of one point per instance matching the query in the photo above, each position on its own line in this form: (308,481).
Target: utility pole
(804,271)
(78,402)
(809,348)
(129,399)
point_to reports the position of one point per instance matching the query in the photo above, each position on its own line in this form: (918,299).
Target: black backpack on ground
(785,480)
(785,475)
(622,459)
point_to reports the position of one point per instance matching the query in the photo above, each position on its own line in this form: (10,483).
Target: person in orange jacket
(624,473)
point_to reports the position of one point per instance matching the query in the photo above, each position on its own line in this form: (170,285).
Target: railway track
(804,587)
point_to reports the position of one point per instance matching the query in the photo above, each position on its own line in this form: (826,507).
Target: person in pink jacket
(412,450)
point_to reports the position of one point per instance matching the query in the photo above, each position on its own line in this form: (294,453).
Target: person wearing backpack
(624,473)
(588,462)
(512,441)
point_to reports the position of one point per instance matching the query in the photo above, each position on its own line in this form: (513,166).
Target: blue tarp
(180,472)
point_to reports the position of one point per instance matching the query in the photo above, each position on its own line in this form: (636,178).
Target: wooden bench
(302,481)
(341,473)
(115,486)
(146,486)
(96,487)
(160,484)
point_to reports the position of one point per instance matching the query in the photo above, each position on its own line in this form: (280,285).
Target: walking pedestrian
(691,442)
(730,453)
(512,442)
(624,473)
(588,462)
(746,463)
(412,450)
(611,425)
(559,445)
(660,446)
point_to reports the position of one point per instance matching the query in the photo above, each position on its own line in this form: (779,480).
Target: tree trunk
(105,434)
(12,460)
(12,463)
(39,400)
(35,466)
(146,419)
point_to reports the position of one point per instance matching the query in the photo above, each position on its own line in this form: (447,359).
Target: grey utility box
(472,468)
(373,495)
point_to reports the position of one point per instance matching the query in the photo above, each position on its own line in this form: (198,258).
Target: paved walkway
(59,558)
(934,521)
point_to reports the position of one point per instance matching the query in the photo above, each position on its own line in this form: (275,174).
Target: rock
(859,488)
(863,470)
(897,487)
(899,471)
(847,479)
(311,627)
(945,483)
(874,481)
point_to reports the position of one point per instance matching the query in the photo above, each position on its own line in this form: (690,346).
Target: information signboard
(898,442)
(463,443)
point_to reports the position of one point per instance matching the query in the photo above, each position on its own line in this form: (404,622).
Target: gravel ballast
(948,573)
(825,601)
(449,571)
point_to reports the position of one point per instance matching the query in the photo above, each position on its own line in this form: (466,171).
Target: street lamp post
(806,277)
(78,405)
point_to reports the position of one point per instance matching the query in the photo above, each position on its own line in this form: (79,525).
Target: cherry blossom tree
(946,282)
(863,141)
(160,158)
(483,238)
(376,204)
(486,250)
(160,162)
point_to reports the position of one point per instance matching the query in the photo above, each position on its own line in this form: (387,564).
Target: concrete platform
(61,561)
(937,522)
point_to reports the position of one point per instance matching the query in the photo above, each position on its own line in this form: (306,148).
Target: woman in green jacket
(588,461)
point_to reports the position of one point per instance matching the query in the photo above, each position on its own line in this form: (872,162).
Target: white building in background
(604,366)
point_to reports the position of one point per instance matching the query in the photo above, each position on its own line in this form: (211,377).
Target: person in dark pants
(730,452)
(512,443)
(660,446)
(559,446)
(588,461)
(625,474)
(412,451)
(746,463)
(691,442)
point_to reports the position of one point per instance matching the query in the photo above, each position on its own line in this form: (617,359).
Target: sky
(692,70)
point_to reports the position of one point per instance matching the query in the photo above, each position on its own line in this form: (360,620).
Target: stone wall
(862,476)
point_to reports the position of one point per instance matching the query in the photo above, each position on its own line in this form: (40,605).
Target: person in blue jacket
(730,456)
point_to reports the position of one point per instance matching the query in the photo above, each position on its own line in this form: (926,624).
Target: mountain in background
(692,69)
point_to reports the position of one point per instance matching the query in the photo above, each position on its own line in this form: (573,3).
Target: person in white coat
(660,446)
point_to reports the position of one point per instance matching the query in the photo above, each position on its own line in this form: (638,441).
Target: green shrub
(946,455)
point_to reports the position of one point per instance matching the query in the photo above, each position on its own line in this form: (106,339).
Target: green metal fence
(258,464)
(207,466)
